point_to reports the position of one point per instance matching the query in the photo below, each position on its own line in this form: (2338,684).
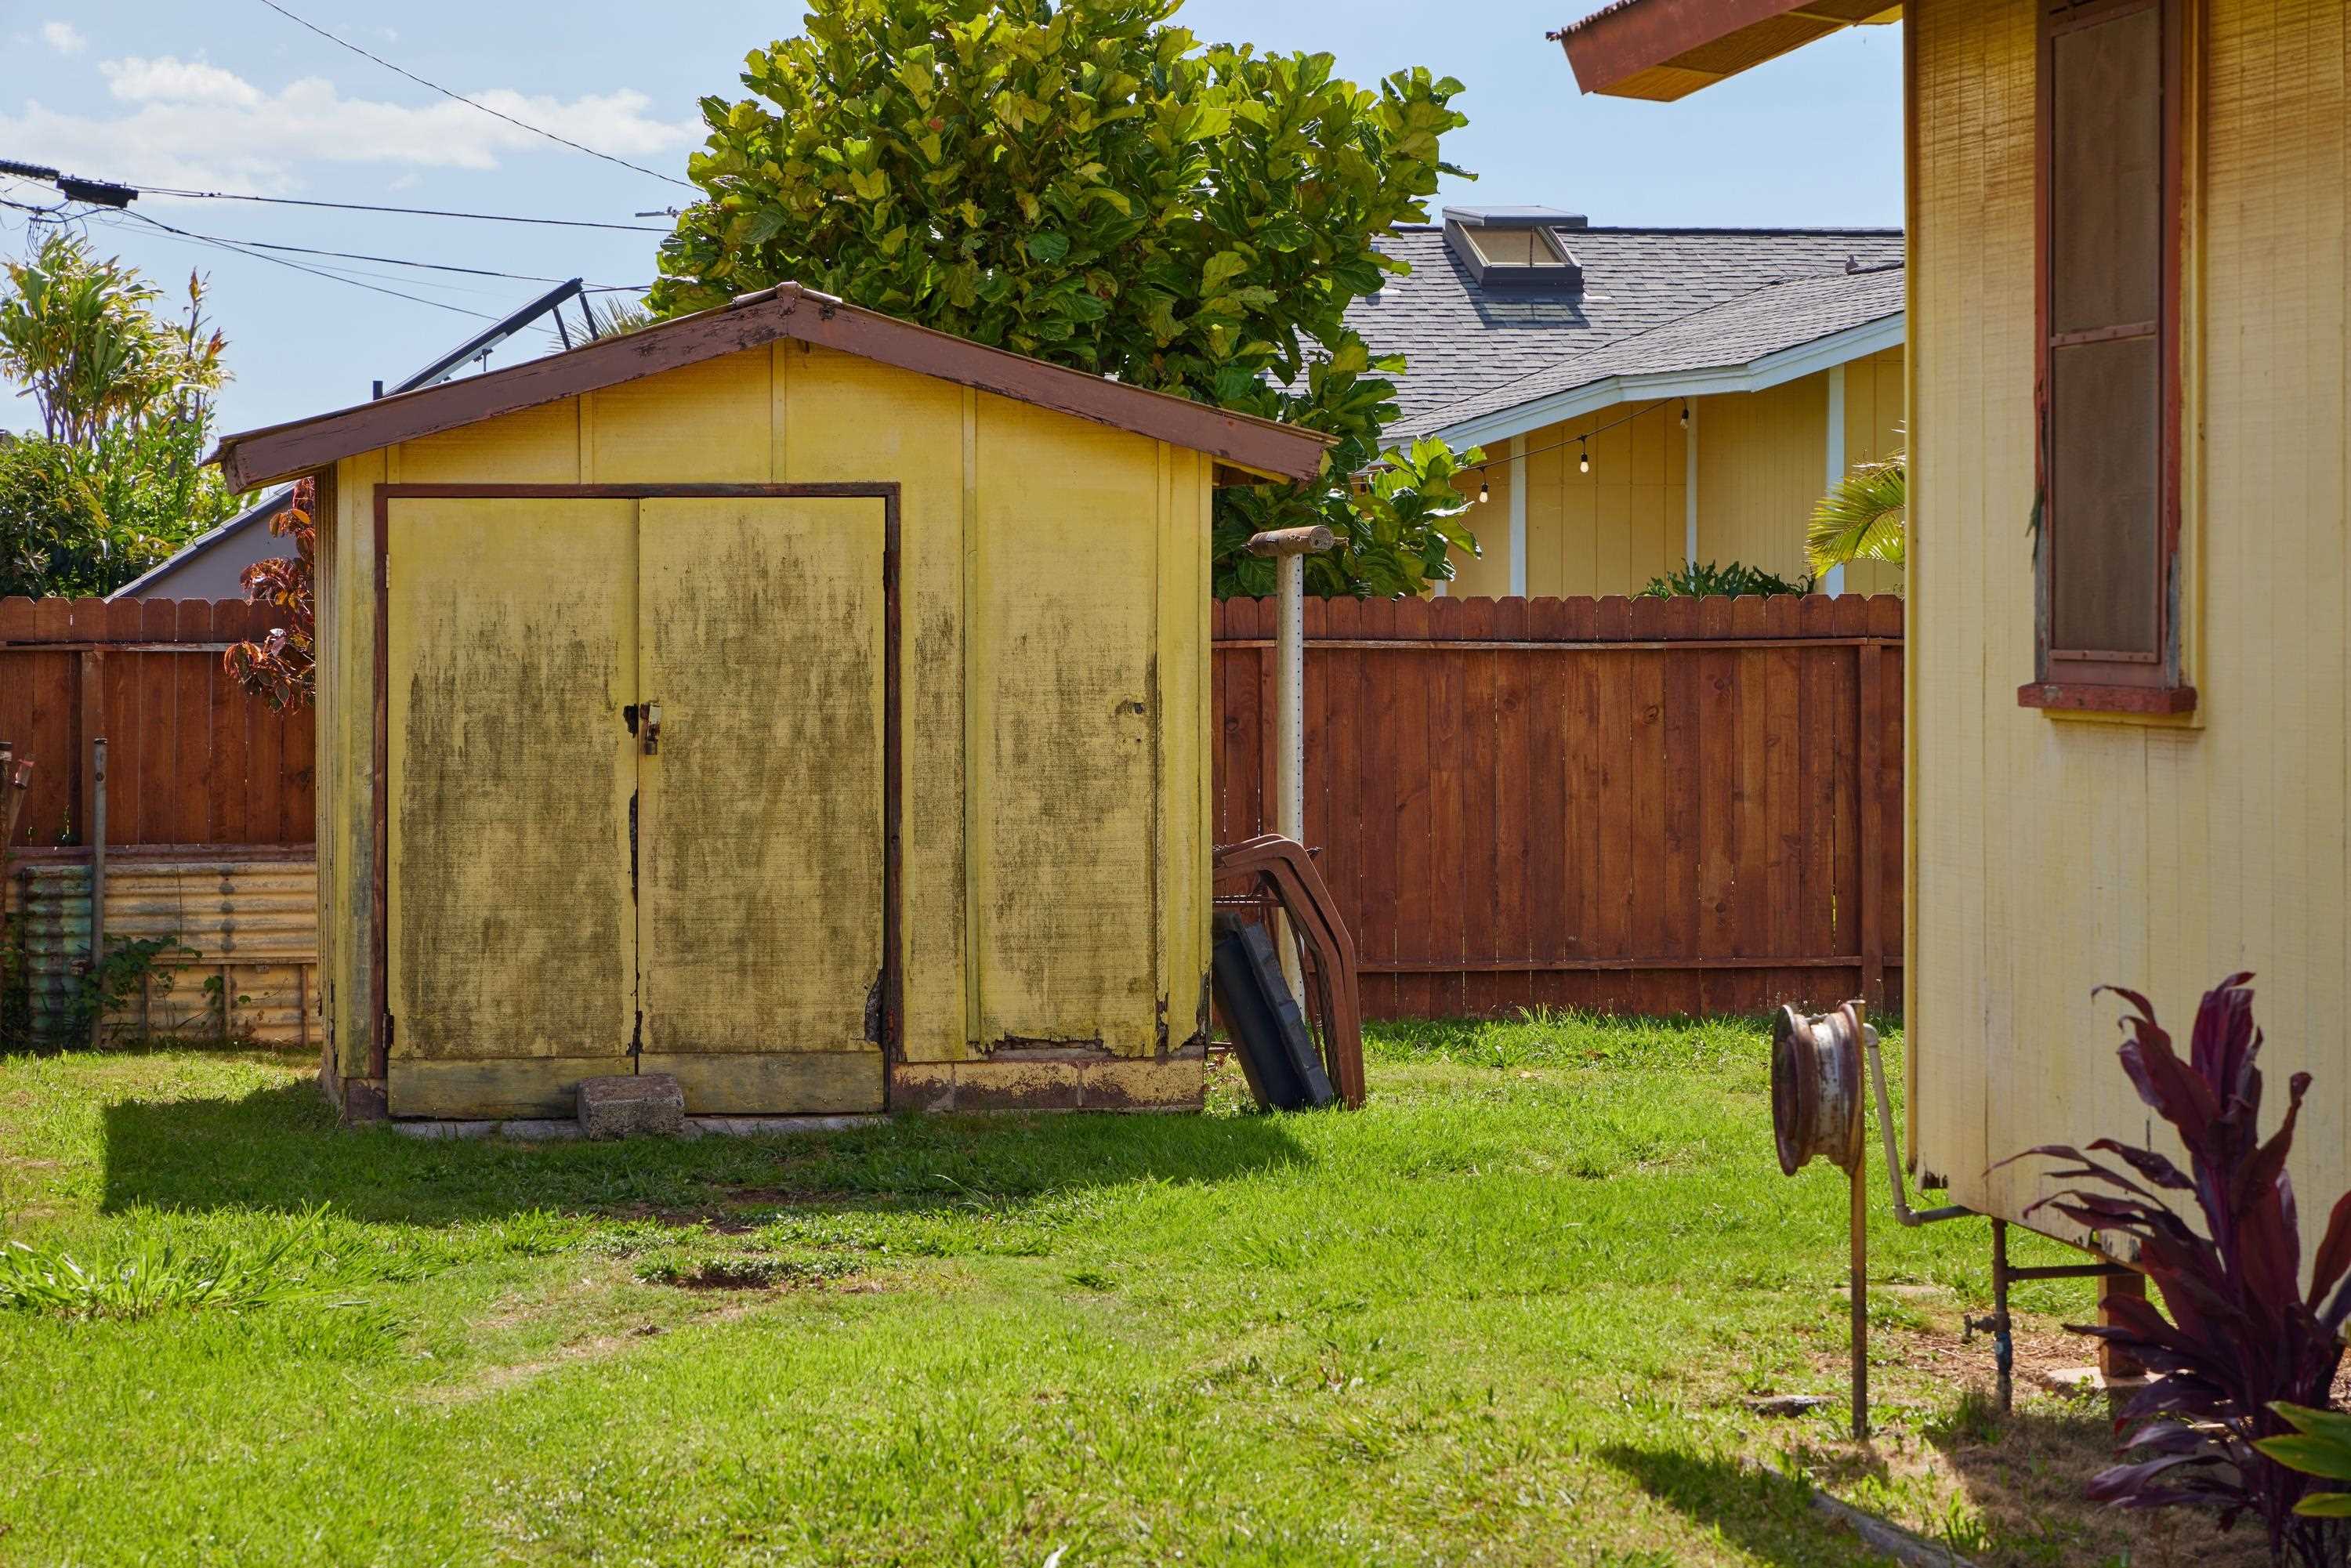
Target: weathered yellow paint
(839,419)
(1053,704)
(513,649)
(2051,853)
(1067,887)
(759,908)
(1762,464)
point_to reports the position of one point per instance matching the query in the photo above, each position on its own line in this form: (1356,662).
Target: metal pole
(1290,775)
(1860,1288)
(2004,1343)
(1289,546)
(97,875)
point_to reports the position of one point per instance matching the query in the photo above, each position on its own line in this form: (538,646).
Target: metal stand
(1860,1286)
(2004,1274)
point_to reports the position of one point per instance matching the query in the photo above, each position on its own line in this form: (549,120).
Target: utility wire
(412,212)
(397,261)
(314,271)
(461,98)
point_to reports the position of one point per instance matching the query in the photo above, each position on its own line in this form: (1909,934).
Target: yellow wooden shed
(2130,563)
(787,698)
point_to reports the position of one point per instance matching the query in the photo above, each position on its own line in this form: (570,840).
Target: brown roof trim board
(1264,446)
(1665,50)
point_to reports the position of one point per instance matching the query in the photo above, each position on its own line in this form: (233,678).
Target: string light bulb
(1684,414)
(1584,458)
(1485,491)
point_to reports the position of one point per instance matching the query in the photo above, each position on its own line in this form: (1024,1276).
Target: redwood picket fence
(1646,806)
(1654,806)
(191,760)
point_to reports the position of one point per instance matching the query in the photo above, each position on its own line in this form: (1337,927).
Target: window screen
(2106,228)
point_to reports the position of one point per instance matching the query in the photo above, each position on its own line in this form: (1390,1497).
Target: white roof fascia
(1771,371)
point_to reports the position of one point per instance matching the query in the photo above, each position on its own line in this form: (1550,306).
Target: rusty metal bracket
(1282,869)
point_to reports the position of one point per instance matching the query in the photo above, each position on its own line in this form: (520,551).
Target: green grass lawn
(1509,1312)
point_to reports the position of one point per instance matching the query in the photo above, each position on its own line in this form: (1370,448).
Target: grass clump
(161,1273)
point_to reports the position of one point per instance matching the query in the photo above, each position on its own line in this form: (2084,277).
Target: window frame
(2088,679)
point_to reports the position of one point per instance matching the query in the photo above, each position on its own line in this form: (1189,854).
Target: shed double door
(635,815)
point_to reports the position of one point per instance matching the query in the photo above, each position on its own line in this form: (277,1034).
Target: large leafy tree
(1085,181)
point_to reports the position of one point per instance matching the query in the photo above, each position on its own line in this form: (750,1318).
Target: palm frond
(1864,517)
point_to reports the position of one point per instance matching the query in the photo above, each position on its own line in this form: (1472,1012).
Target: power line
(235,248)
(411,212)
(431,266)
(461,98)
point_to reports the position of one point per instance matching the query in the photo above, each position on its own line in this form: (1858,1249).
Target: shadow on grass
(2025,1473)
(1766,1514)
(280,1149)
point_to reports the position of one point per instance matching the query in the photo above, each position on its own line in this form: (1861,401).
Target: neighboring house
(212,565)
(1645,396)
(2127,665)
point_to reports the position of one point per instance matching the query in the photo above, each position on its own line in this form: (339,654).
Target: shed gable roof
(786,312)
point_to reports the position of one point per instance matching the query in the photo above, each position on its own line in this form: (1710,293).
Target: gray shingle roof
(1502,346)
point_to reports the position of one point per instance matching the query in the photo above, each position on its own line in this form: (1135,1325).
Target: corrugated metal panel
(250,925)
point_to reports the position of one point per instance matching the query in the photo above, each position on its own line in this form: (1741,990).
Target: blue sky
(231,95)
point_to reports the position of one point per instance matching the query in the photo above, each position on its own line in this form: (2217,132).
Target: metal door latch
(649,727)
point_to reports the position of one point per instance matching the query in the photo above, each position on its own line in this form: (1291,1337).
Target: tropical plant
(1699,581)
(2319,1445)
(2241,1335)
(1081,181)
(1864,517)
(82,333)
(278,669)
(118,479)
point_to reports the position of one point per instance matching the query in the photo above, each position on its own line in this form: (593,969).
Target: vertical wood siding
(1647,806)
(2054,853)
(1762,464)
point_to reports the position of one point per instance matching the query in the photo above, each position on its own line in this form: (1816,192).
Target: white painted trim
(1771,371)
(1519,516)
(1689,484)
(1833,584)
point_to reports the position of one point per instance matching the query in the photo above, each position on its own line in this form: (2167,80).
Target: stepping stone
(638,1105)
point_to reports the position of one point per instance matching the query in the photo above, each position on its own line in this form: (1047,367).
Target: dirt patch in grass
(746,1271)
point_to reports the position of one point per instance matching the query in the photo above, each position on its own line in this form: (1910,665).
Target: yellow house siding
(1875,393)
(1014,521)
(1762,464)
(2054,853)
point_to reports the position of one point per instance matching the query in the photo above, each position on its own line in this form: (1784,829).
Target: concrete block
(644,1104)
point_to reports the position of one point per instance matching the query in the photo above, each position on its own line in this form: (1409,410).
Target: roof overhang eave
(1667,49)
(1606,392)
(752,320)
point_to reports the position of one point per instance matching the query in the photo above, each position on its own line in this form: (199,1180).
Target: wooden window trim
(2083,680)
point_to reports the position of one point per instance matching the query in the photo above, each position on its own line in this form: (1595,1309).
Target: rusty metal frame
(1283,869)
(379,872)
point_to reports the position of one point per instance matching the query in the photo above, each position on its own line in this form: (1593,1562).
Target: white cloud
(64,37)
(188,122)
